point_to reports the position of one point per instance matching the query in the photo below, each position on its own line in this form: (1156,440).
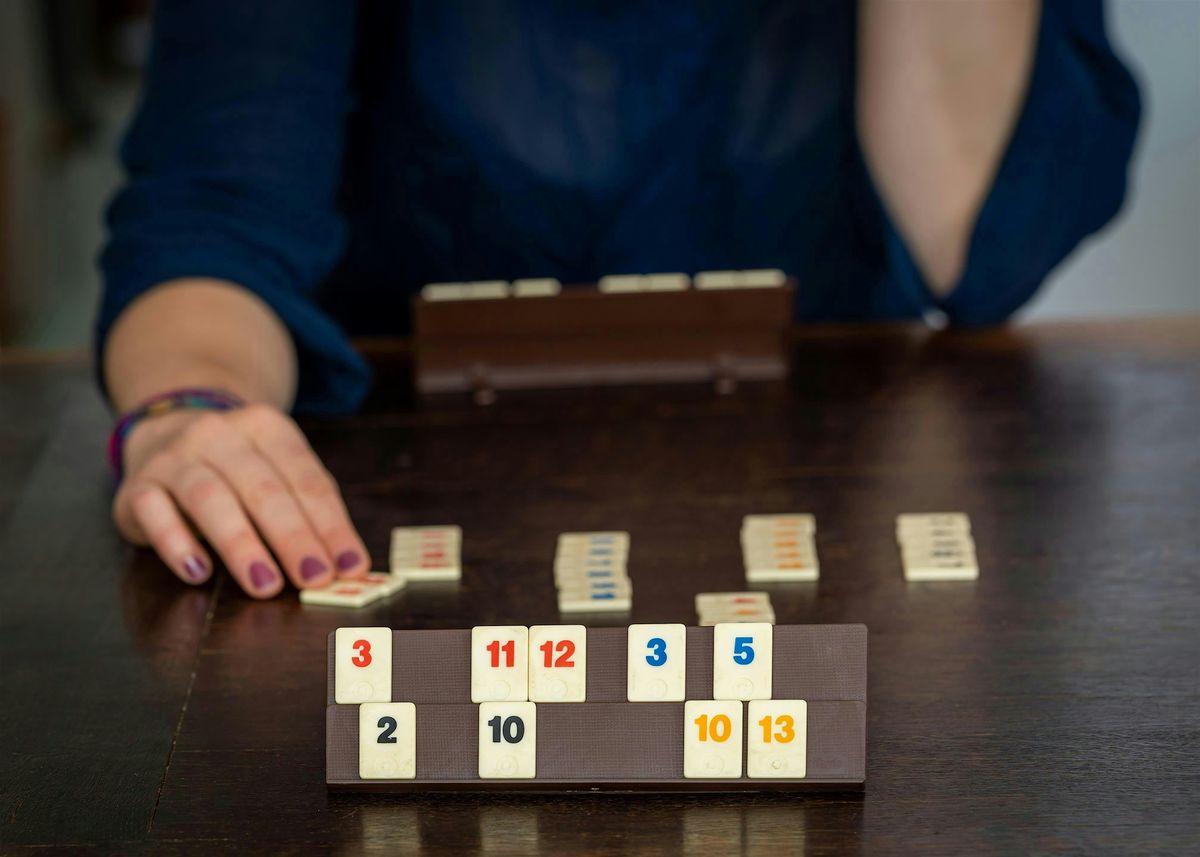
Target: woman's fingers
(282,443)
(146,514)
(215,509)
(276,513)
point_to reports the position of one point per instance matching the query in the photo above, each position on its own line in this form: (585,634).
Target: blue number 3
(658,648)
(743,652)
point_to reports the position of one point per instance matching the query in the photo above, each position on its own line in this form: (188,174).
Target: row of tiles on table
(641,663)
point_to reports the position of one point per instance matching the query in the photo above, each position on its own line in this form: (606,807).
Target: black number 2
(512,730)
(388,725)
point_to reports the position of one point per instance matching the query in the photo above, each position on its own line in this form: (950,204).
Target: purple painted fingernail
(195,568)
(311,567)
(261,575)
(348,559)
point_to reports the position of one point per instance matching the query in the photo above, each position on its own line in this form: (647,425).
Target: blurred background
(69,79)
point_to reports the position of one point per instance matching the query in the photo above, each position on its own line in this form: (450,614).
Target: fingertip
(195,569)
(262,580)
(352,563)
(314,572)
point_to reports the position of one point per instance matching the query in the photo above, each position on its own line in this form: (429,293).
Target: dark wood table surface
(1051,707)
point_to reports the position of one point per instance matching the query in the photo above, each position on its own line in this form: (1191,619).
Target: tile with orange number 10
(712,739)
(362,667)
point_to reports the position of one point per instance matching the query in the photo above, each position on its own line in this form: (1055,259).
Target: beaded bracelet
(173,400)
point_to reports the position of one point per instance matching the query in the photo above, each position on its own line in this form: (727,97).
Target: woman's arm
(199,333)
(240,477)
(940,87)
(233,163)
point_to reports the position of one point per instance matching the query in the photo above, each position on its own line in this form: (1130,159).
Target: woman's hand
(240,478)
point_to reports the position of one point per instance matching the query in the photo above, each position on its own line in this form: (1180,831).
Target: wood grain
(1050,707)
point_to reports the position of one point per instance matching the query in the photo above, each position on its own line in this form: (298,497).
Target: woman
(297,169)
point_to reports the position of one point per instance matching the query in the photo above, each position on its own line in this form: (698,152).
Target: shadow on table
(604,824)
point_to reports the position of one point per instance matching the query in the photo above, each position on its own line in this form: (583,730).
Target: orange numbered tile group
(779,548)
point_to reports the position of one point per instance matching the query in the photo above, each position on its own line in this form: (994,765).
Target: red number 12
(566,651)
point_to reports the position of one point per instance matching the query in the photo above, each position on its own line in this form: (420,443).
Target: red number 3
(363,658)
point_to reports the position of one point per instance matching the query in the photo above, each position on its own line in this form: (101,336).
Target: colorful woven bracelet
(173,400)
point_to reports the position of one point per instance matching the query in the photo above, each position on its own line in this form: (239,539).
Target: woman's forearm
(199,333)
(940,86)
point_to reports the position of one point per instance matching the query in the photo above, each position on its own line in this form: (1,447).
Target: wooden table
(1052,707)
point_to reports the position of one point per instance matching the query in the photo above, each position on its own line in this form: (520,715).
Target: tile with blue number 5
(656,663)
(742,658)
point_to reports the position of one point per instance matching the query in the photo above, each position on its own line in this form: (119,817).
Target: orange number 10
(718,729)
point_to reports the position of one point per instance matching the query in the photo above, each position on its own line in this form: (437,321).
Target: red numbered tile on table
(362,667)
(557,663)
(499,663)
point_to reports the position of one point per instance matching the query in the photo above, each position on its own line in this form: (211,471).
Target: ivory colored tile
(931,569)
(486,290)
(665,282)
(594,600)
(765,278)
(709,601)
(443,291)
(917,523)
(499,663)
(707,280)
(742,660)
(350,593)
(656,663)
(557,663)
(745,615)
(777,739)
(619,283)
(362,665)
(712,739)
(543,287)
(387,741)
(507,740)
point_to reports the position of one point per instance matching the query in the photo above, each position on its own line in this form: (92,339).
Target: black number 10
(388,725)
(511,729)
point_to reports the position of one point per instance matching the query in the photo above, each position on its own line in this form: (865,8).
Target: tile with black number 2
(387,741)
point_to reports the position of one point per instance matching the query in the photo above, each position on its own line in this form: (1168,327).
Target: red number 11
(508,648)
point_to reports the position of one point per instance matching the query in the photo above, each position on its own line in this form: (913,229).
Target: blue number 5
(743,652)
(658,646)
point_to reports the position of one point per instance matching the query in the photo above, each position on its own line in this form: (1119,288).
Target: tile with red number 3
(362,666)
(557,663)
(499,663)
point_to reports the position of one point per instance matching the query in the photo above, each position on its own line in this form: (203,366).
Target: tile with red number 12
(557,663)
